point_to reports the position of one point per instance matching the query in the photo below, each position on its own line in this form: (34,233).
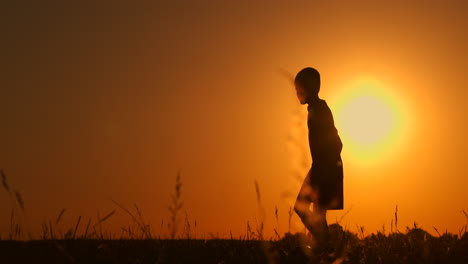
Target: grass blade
(59,217)
(76,226)
(107,216)
(20,200)
(4,181)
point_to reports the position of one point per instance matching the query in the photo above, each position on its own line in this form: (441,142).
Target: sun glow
(369,121)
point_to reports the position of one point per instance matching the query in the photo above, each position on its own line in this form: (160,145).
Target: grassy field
(413,246)
(140,245)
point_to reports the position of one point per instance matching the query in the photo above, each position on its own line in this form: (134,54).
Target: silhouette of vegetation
(139,245)
(176,206)
(416,246)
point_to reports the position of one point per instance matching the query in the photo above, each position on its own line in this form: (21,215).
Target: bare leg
(302,205)
(302,210)
(315,221)
(320,225)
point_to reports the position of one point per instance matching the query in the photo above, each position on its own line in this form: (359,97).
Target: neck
(313,100)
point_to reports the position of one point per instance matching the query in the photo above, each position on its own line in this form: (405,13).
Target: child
(323,185)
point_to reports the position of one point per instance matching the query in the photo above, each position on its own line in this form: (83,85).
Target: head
(307,84)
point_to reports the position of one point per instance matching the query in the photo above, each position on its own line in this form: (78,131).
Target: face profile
(302,94)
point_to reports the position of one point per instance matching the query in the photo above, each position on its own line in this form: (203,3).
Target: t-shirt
(324,142)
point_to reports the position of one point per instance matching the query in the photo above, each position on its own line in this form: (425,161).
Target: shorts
(324,185)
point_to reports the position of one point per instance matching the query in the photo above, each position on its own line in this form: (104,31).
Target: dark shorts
(324,185)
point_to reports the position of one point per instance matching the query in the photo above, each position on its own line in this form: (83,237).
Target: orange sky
(106,102)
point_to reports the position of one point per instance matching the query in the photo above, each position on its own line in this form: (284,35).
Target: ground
(413,246)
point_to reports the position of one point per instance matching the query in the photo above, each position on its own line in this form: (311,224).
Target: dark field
(414,246)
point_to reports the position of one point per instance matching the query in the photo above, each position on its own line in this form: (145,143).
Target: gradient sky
(109,101)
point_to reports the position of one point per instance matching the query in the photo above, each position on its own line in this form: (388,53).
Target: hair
(309,78)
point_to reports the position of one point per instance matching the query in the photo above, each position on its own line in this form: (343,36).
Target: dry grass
(94,244)
(175,208)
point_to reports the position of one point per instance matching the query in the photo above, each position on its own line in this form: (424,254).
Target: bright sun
(369,121)
(366,120)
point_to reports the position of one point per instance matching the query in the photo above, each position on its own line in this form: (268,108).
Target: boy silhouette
(323,185)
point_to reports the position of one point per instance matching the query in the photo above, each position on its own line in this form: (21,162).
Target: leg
(320,225)
(315,221)
(302,206)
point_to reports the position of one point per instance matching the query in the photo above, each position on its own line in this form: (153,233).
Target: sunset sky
(105,102)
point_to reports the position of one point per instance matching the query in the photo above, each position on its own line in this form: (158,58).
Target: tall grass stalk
(59,217)
(290,214)
(187,227)
(144,228)
(277,229)
(87,229)
(176,206)
(4,181)
(17,221)
(261,211)
(396,218)
(76,227)
(103,219)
